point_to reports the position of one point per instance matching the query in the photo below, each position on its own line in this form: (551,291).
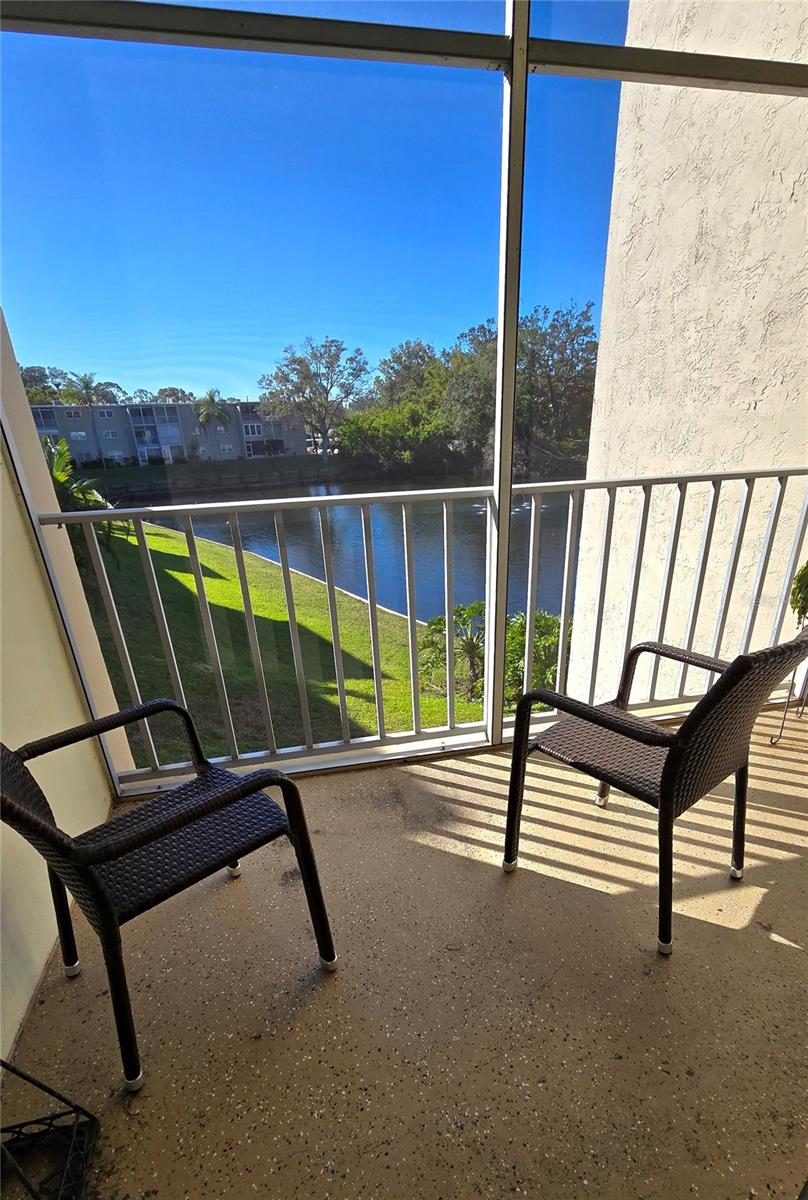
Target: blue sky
(178,216)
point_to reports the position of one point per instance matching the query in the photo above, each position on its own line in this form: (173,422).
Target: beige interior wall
(703,362)
(39,694)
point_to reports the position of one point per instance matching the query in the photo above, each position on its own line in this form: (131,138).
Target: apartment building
(145,434)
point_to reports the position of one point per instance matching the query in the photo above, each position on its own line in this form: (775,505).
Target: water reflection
(305,552)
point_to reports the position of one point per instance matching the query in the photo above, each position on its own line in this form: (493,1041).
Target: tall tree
(316,384)
(404,375)
(174,395)
(43,384)
(212,409)
(557,356)
(84,389)
(110,393)
(80,389)
(471,387)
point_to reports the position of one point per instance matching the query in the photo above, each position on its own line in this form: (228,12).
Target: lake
(305,551)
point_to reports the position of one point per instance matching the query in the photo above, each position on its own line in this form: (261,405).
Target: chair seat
(611,757)
(143,878)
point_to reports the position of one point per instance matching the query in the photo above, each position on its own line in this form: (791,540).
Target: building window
(78,436)
(252,429)
(46,421)
(109,434)
(72,414)
(104,413)
(225,448)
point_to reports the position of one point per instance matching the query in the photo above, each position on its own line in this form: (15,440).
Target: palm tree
(72,492)
(75,494)
(80,390)
(213,409)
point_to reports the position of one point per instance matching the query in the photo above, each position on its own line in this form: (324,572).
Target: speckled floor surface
(487,1035)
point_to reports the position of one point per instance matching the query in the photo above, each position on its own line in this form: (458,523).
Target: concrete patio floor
(486,1035)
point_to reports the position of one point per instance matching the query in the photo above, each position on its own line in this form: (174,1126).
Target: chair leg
(602,797)
(516,787)
(664,937)
(122,1011)
(234,868)
(739,822)
(301,843)
(64,924)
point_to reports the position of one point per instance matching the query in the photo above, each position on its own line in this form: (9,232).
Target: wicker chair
(136,860)
(668,770)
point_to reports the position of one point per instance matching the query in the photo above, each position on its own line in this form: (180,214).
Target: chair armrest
(624,723)
(68,737)
(116,846)
(692,658)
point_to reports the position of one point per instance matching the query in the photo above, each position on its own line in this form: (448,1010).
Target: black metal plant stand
(66,1137)
(803,701)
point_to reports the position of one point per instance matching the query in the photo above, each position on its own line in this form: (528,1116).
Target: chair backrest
(23,807)
(714,737)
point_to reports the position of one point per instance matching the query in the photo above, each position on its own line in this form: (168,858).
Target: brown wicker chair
(139,858)
(668,769)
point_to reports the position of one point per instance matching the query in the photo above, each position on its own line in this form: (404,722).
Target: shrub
(469,652)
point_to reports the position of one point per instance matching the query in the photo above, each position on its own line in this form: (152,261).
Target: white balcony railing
(688,561)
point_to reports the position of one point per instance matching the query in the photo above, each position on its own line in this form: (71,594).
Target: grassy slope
(176,583)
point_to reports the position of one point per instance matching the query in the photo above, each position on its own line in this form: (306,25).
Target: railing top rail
(584,485)
(287,503)
(268,504)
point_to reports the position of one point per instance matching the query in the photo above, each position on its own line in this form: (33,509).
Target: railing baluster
(373,617)
(252,632)
(566,594)
(605,551)
(670,567)
(336,645)
(763,565)
(532,591)
(732,568)
(791,570)
(409,567)
(210,636)
(294,634)
(701,572)
(159,612)
(118,637)
(448,605)
(732,604)
(636,567)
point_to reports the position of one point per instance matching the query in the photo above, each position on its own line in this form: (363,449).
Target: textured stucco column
(703,362)
(38,695)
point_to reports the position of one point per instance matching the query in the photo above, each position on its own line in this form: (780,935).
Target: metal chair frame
(138,859)
(668,769)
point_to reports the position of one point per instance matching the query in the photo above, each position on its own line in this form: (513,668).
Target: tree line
(423,411)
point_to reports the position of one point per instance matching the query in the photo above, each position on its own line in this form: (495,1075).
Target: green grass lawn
(178,592)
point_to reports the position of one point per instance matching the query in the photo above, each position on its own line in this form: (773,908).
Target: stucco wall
(38,695)
(703,362)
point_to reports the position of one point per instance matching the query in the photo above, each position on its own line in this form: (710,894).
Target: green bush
(469,652)
(799,594)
